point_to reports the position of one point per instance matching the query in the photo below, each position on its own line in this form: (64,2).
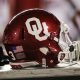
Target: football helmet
(34,36)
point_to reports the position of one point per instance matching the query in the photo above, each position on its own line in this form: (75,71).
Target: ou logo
(37,29)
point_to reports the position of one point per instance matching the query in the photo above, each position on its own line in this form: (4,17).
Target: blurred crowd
(67,11)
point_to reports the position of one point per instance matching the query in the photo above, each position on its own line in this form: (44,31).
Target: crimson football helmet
(33,36)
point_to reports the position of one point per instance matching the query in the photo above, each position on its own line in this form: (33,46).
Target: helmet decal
(36,31)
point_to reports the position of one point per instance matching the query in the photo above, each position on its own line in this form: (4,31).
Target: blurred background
(67,11)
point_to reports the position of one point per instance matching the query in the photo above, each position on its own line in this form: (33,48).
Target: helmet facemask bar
(65,43)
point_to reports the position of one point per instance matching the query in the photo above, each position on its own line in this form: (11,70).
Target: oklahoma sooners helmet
(32,36)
